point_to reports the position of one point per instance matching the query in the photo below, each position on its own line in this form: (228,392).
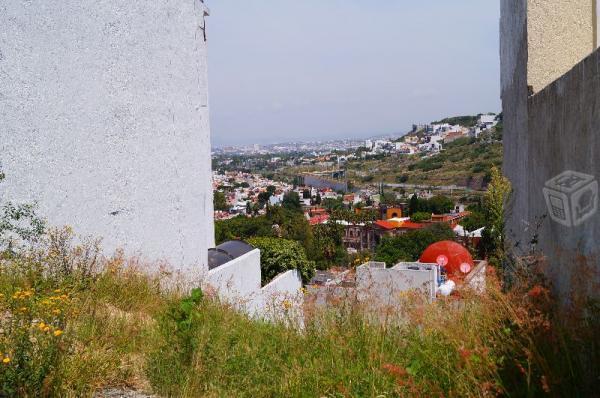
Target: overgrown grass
(122,327)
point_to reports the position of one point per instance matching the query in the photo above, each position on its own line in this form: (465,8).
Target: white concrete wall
(282,299)
(237,282)
(104,121)
(383,286)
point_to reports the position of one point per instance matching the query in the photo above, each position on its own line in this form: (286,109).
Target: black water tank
(226,252)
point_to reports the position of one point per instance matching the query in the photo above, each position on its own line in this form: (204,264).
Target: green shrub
(280,255)
(474,221)
(410,246)
(430,164)
(420,216)
(32,341)
(480,167)
(402,178)
(169,363)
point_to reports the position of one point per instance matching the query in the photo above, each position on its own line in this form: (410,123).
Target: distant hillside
(467,121)
(465,162)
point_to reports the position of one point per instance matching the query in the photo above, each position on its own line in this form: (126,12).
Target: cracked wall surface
(104,121)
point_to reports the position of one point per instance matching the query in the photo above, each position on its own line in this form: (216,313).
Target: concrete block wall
(549,45)
(564,131)
(104,121)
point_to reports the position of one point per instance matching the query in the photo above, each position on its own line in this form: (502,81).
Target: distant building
(453,136)
(393,212)
(359,237)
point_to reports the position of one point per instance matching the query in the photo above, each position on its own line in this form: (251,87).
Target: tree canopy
(280,255)
(410,246)
(220,201)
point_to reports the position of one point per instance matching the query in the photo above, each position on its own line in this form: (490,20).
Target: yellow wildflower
(42,325)
(58,332)
(6,360)
(47,329)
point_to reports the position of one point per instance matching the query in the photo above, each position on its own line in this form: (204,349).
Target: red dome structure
(455,258)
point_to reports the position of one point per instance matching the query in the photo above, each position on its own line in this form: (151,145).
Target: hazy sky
(283,70)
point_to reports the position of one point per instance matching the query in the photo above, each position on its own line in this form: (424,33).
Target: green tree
(473,221)
(242,228)
(440,204)
(420,216)
(280,255)
(410,246)
(492,239)
(333,204)
(414,205)
(220,201)
(293,225)
(291,201)
(328,244)
(264,197)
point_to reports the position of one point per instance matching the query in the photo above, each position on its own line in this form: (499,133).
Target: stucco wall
(104,121)
(560,34)
(282,299)
(238,281)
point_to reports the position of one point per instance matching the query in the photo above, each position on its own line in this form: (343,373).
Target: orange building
(393,212)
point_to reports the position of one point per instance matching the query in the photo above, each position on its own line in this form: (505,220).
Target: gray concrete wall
(513,63)
(564,134)
(104,121)
(554,131)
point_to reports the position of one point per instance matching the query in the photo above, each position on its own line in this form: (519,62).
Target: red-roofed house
(320,219)
(386,225)
(411,226)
